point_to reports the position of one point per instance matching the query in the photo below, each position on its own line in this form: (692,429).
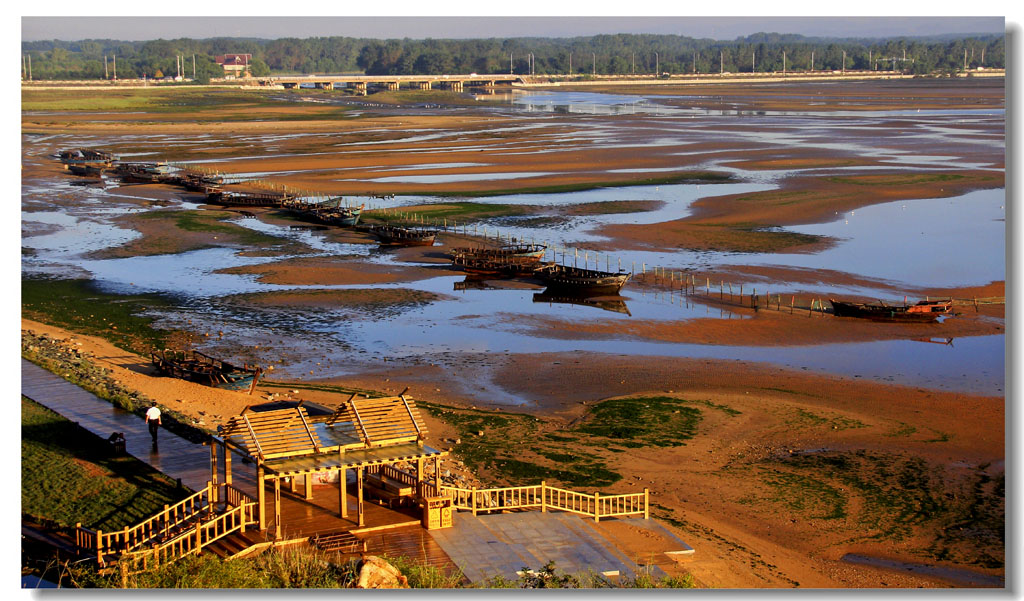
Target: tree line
(620,54)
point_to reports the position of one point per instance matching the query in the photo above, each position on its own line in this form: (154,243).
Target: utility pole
(570,63)
(634,63)
(106,74)
(783,63)
(983,56)
(965,59)
(510,63)
(30,67)
(193,67)
(694,62)
(595,63)
(114,57)
(751,62)
(869,59)
(656,71)
(844,62)
(812,60)
(721,61)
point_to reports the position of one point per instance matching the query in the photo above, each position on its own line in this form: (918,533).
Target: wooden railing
(191,541)
(547,497)
(234,497)
(160,525)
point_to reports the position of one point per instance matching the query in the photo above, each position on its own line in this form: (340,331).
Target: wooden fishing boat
(84,169)
(143,173)
(204,369)
(233,198)
(615,305)
(560,278)
(329,212)
(86,155)
(391,235)
(505,266)
(922,312)
(201,182)
(531,251)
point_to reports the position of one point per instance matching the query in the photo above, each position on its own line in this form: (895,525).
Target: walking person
(153,421)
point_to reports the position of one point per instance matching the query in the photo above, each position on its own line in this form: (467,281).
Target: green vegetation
(898,179)
(212,222)
(889,497)
(802,417)
(54,59)
(805,495)
(509,448)
(705,177)
(69,475)
(77,305)
(518,448)
(642,421)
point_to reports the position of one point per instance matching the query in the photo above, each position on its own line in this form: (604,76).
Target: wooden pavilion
(381,439)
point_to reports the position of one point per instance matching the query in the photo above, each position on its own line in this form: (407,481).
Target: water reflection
(607,303)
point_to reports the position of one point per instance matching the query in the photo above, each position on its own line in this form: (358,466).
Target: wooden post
(597,511)
(543,496)
(342,493)
(291,484)
(359,495)
(308,479)
(214,489)
(792,302)
(261,495)
(419,469)
(473,498)
(227,465)
(167,521)
(277,508)
(647,504)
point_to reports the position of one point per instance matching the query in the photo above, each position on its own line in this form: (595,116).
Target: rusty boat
(576,280)
(922,312)
(204,369)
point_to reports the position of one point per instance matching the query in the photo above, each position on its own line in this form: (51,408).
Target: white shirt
(152,414)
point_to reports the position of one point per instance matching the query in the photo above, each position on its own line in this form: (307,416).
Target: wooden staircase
(341,541)
(238,544)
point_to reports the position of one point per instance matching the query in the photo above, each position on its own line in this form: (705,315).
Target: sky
(720,28)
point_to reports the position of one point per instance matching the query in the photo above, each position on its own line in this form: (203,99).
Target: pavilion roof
(358,423)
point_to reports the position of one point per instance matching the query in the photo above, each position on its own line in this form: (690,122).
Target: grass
(517,448)
(804,418)
(212,222)
(191,103)
(456,211)
(514,450)
(642,421)
(69,475)
(77,305)
(893,497)
(684,177)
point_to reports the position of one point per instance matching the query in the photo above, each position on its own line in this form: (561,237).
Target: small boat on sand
(922,312)
(204,369)
(562,278)
(391,235)
(86,155)
(84,169)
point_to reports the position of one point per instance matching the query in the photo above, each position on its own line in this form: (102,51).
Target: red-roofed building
(235,64)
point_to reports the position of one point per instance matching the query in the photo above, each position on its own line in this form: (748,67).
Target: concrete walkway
(502,544)
(174,456)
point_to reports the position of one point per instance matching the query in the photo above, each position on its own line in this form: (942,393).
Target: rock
(479,432)
(374,572)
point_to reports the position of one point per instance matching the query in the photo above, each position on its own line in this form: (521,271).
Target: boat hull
(920,313)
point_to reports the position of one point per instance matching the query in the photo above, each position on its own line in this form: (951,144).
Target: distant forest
(620,54)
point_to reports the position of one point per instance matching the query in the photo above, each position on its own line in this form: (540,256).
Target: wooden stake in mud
(792,301)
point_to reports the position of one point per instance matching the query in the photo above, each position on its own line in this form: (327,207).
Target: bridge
(360,83)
